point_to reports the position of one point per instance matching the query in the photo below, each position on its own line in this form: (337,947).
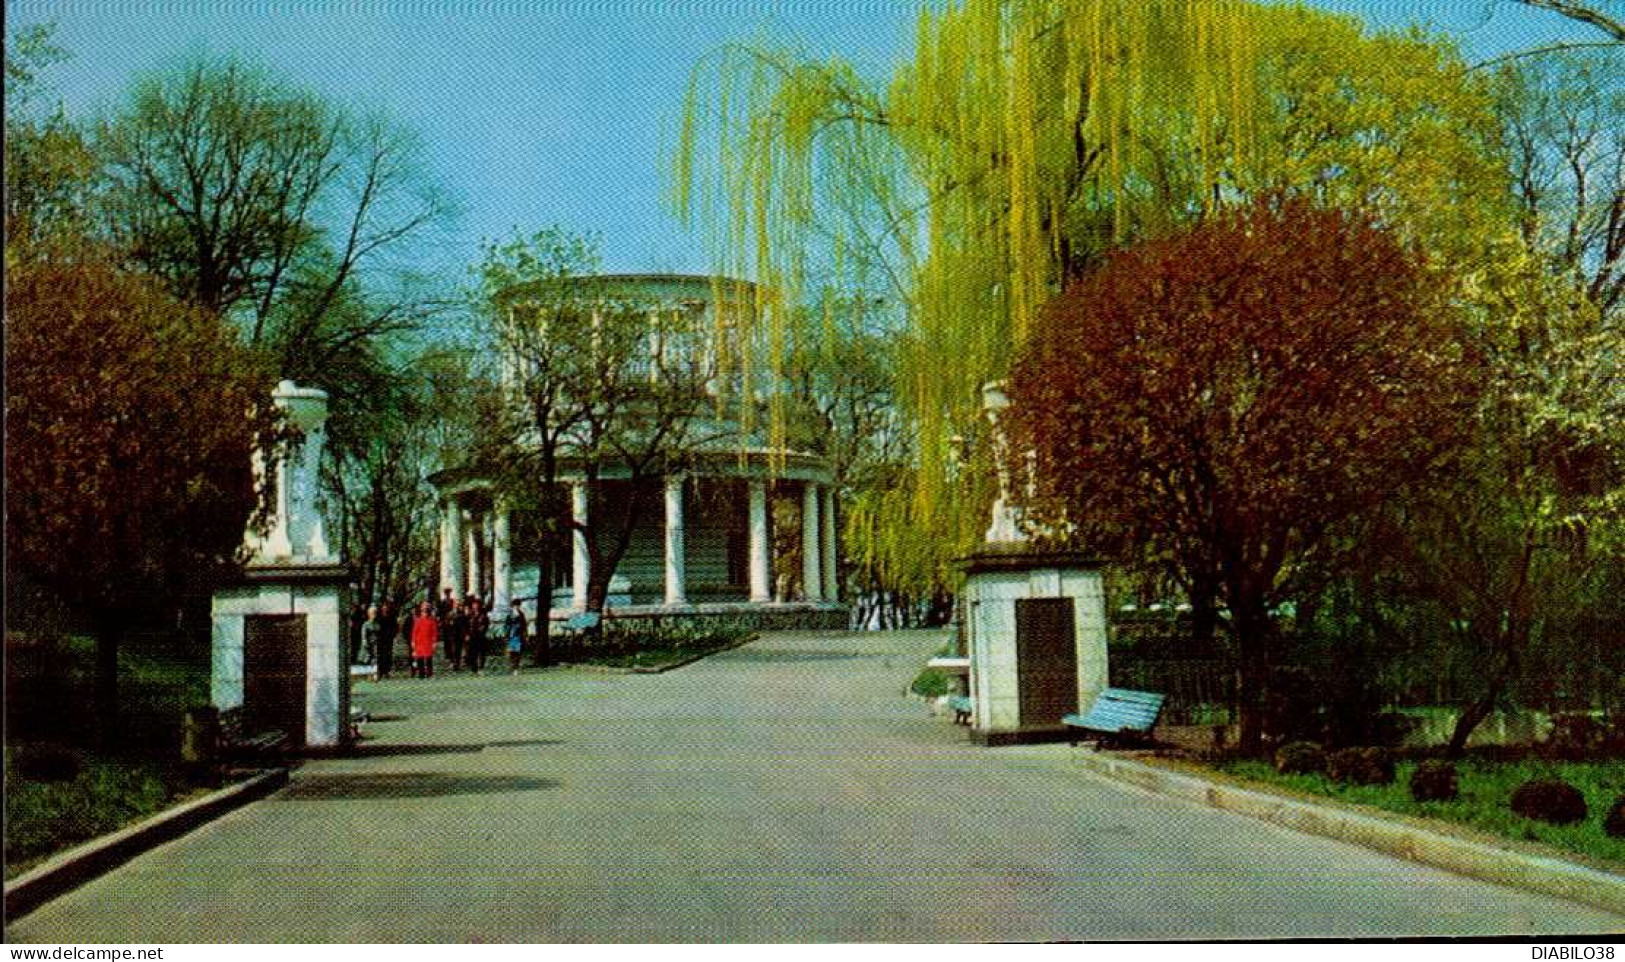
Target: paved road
(785,791)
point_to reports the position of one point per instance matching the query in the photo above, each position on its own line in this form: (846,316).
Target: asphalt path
(786,791)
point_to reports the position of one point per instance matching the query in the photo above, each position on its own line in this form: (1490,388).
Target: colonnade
(460,546)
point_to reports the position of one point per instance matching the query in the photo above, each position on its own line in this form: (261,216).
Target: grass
(1486,786)
(62,788)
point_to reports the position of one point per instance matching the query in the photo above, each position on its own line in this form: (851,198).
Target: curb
(44,882)
(1489,863)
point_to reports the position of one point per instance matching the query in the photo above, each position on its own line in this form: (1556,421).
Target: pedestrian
(388,628)
(369,638)
(474,640)
(453,633)
(513,628)
(358,617)
(425,634)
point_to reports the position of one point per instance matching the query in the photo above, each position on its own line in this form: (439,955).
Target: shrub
(47,763)
(931,683)
(1361,766)
(1300,758)
(1614,824)
(1549,800)
(1434,781)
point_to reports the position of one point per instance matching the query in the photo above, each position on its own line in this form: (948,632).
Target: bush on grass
(1361,766)
(1434,781)
(931,683)
(1614,825)
(1300,758)
(1549,800)
(46,762)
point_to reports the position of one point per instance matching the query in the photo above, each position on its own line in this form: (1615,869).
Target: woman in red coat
(425,634)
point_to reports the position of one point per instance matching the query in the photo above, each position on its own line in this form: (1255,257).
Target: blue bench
(1118,714)
(962,706)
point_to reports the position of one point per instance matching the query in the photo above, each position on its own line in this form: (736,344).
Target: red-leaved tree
(130,422)
(1229,394)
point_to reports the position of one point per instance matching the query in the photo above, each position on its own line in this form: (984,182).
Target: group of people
(460,628)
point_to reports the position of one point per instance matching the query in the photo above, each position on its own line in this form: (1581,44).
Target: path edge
(1489,863)
(76,866)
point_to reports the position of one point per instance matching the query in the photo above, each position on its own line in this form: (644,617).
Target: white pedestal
(315,592)
(996,583)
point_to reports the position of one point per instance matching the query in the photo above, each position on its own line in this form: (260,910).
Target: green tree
(1563,123)
(49,168)
(609,382)
(1238,390)
(1025,141)
(265,203)
(131,419)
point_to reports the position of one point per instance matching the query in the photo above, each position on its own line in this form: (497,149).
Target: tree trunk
(604,563)
(1471,717)
(542,653)
(1252,649)
(107,629)
(1481,707)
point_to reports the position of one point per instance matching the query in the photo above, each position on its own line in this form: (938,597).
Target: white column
(451,548)
(826,517)
(580,561)
(279,543)
(501,563)
(676,590)
(812,570)
(473,559)
(760,590)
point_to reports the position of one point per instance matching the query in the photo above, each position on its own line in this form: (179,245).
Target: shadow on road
(386,750)
(352,785)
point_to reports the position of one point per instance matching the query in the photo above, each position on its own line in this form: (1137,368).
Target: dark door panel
(1046,660)
(274,674)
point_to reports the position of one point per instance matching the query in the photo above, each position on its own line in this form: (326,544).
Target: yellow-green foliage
(1024,140)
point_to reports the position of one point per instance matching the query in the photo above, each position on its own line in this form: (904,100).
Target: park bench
(962,705)
(1119,714)
(236,742)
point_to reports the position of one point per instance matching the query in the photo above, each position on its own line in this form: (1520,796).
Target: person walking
(369,639)
(389,628)
(478,624)
(425,634)
(453,632)
(513,628)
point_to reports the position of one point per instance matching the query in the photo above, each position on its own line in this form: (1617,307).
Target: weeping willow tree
(1022,142)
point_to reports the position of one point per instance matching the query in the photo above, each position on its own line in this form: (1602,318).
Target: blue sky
(554,111)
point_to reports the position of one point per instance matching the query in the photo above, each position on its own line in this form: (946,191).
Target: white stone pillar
(760,589)
(278,543)
(501,561)
(812,570)
(473,539)
(580,561)
(676,566)
(451,548)
(826,518)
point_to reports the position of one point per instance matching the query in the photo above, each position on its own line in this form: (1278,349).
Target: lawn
(1485,785)
(61,787)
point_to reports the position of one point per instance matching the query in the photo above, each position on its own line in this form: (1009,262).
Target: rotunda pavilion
(746,529)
